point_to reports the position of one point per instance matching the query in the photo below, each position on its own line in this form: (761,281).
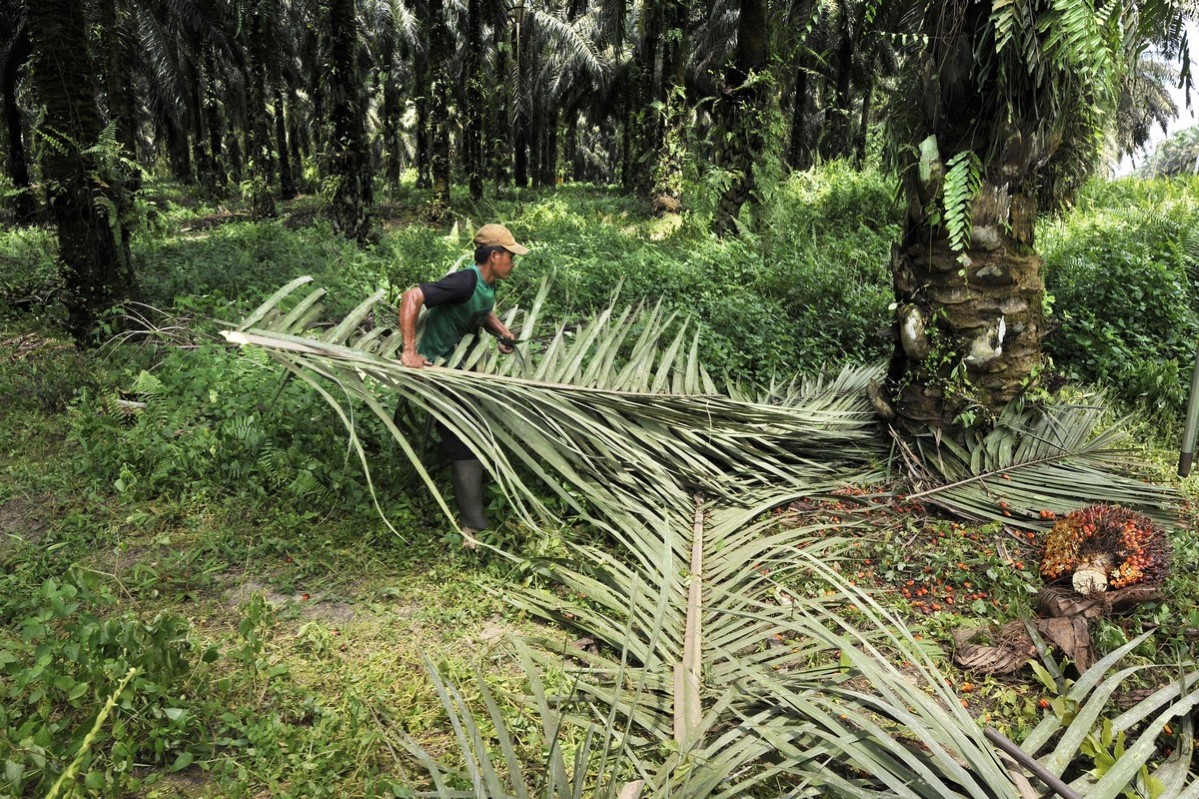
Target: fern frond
(963,177)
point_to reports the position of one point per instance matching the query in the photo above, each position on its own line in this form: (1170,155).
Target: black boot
(468,493)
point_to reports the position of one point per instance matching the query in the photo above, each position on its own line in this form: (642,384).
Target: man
(460,304)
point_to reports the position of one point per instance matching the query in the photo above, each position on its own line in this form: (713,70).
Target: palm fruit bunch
(1105,546)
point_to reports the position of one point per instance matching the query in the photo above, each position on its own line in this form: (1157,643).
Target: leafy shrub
(28,266)
(65,664)
(234,261)
(41,374)
(216,421)
(827,238)
(1125,283)
(809,289)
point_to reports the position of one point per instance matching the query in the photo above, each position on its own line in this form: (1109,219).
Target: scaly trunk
(799,154)
(836,141)
(178,151)
(666,195)
(24,202)
(424,174)
(200,139)
(969,329)
(349,157)
(521,126)
(440,48)
(859,151)
(571,154)
(262,201)
(214,116)
(287,178)
(498,157)
(548,168)
(297,137)
(119,83)
(742,106)
(390,121)
(474,100)
(642,122)
(233,146)
(97,269)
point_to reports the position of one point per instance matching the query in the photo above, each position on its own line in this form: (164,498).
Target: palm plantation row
(720,654)
(994,114)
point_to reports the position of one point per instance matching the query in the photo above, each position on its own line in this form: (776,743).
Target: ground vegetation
(202,597)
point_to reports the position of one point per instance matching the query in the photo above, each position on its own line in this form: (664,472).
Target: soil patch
(22,519)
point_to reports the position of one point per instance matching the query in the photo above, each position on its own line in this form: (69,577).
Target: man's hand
(507,345)
(414,360)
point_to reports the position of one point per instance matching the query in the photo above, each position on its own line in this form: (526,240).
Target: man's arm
(410,305)
(500,330)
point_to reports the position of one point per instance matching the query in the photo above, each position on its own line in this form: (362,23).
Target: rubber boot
(468,493)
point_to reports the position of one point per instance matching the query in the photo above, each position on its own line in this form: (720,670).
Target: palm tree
(349,157)
(258,32)
(1177,155)
(473,101)
(742,108)
(441,49)
(78,157)
(389,24)
(996,119)
(1144,102)
(15,50)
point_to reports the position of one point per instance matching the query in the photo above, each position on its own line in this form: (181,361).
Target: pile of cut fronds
(705,675)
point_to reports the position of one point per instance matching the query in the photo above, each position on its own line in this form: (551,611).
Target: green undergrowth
(176,507)
(1123,271)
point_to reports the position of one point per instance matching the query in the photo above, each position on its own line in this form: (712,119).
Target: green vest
(445,325)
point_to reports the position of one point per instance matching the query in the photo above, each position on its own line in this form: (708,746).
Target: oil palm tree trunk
(837,143)
(120,85)
(421,79)
(350,158)
(743,104)
(666,196)
(262,201)
(391,111)
(287,178)
(201,153)
(473,134)
(799,153)
(24,202)
(214,118)
(298,139)
(97,269)
(521,128)
(970,324)
(859,147)
(441,45)
(499,160)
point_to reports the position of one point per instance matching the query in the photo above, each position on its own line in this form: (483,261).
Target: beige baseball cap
(499,236)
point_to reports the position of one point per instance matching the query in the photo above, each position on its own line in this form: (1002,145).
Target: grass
(318,619)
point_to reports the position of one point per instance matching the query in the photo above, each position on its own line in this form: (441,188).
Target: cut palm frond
(710,672)
(587,761)
(615,427)
(1057,459)
(878,722)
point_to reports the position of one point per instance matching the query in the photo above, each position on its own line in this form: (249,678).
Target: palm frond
(574,40)
(644,429)
(493,759)
(1058,459)
(711,673)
